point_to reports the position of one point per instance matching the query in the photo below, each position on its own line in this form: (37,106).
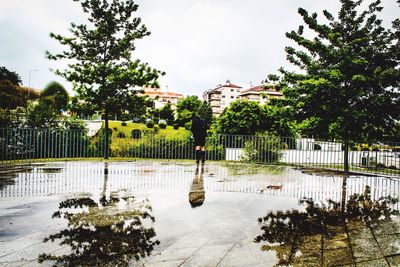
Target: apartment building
(222,96)
(260,94)
(161,98)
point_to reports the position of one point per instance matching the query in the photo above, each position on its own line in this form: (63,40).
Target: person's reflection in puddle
(106,230)
(197,194)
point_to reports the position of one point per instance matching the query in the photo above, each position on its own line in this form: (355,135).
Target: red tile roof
(228,85)
(260,88)
(157,92)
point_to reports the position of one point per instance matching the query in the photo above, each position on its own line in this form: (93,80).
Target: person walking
(199,132)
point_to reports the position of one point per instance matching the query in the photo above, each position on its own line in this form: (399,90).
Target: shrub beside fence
(34,144)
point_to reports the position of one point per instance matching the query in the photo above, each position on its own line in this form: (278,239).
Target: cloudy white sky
(198,43)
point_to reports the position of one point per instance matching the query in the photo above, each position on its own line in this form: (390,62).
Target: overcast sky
(198,43)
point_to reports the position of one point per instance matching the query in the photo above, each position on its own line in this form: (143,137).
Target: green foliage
(73,123)
(81,107)
(241,117)
(188,125)
(58,92)
(12,118)
(11,76)
(186,109)
(102,69)
(150,124)
(167,113)
(43,114)
(205,112)
(104,73)
(277,118)
(266,149)
(350,71)
(162,124)
(11,95)
(137,107)
(156,129)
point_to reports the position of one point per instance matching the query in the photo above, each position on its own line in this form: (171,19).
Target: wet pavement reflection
(177,213)
(109,230)
(197,195)
(335,233)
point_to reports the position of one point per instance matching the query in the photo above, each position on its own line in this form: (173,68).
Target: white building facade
(222,96)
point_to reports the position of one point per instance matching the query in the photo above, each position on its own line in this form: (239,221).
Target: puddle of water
(104,232)
(101,213)
(321,235)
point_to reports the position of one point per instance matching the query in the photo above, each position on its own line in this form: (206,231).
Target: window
(232,96)
(232,90)
(223,96)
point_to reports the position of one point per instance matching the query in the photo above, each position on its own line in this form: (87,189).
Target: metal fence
(35,144)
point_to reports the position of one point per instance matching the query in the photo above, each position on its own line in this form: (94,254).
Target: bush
(136,134)
(365,149)
(375,149)
(176,126)
(396,149)
(150,124)
(162,124)
(392,167)
(380,165)
(266,149)
(188,125)
(123,123)
(156,129)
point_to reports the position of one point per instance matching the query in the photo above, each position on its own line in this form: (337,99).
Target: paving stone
(373,263)
(163,264)
(386,227)
(340,256)
(366,251)
(307,261)
(390,244)
(191,240)
(18,244)
(173,254)
(208,255)
(354,224)
(247,254)
(394,261)
(363,242)
(335,242)
(360,233)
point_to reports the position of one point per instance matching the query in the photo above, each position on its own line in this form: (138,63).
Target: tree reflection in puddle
(108,232)
(319,236)
(112,231)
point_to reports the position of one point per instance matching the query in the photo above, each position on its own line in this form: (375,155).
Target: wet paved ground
(162,213)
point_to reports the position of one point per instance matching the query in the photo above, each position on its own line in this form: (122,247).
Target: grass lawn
(169,132)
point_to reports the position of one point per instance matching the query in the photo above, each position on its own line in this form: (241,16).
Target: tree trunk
(346,156)
(106,147)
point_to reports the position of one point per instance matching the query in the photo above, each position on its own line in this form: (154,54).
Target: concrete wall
(359,158)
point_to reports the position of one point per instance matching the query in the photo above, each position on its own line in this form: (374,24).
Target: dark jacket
(199,128)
